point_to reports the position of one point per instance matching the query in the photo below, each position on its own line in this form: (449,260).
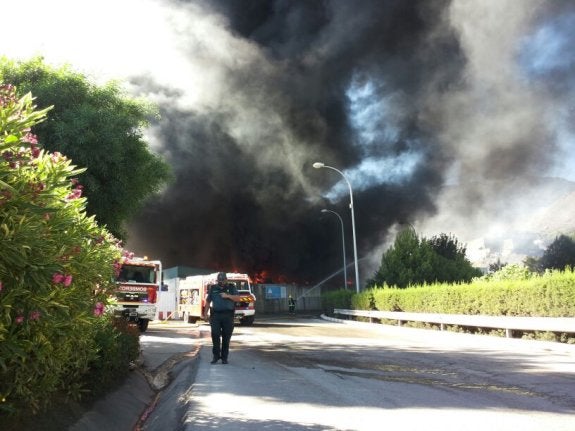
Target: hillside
(506,220)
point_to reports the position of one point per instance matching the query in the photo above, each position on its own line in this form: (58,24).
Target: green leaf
(10,139)
(7,186)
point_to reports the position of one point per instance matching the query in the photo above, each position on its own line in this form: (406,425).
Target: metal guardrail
(509,323)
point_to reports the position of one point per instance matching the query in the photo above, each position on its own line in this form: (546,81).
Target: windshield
(137,274)
(241,284)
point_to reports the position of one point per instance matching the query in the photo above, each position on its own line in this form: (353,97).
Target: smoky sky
(426,106)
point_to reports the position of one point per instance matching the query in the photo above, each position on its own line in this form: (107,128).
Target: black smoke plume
(397,94)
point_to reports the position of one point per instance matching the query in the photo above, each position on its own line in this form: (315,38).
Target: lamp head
(323,211)
(318,165)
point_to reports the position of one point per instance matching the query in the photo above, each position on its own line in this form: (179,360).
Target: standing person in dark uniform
(291,305)
(222,297)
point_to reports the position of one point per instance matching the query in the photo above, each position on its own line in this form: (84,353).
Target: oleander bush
(56,270)
(117,347)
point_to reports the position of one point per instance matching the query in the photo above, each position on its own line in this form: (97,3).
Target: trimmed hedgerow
(513,291)
(336,299)
(551,294)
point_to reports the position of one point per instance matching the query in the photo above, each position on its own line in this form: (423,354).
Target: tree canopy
(412,260)
(559,254)
(97,127)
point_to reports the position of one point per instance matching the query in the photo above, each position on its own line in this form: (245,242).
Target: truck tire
(143,325)
(247,321)
(188,318)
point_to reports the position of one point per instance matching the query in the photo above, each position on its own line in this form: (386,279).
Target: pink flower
(57,278)
(1,286)
(30,138)
(35,315)
(117,267)
(65,279)
(19,319)
(76,193)
(7,94)
(98,309)
(35,152)
(57,156)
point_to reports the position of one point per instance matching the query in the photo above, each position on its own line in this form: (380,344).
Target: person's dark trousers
(222,326)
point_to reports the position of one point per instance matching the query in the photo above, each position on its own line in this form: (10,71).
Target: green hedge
(551,294)
(337,299)
(513,291)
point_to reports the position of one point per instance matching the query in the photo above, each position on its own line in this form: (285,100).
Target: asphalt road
(313,374)
(290,373)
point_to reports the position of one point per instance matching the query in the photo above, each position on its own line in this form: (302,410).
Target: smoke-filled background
(452,116)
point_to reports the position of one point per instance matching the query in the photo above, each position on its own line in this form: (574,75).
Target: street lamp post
(343,245)
(319,165)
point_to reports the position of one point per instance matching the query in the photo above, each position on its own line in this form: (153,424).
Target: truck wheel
(143,325)
(247,321)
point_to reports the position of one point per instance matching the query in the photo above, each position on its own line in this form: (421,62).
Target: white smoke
(500,125)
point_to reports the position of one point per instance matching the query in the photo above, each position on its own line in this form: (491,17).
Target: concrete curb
(119,410)
(172,403)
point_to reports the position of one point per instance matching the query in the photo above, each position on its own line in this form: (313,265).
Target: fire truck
(137,289)
(193,290)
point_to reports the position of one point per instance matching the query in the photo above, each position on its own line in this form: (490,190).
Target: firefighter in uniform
(291,305)
(220,302)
